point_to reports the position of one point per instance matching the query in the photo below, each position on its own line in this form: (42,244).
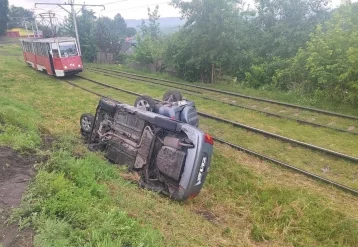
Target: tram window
(26,46)
(44,50)
(47,49)
(68,49)
(55,53)
(37,52)
(29,47)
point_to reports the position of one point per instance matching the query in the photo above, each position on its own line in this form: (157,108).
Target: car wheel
(145,102)
(172,96)
(86,123)
(108,105)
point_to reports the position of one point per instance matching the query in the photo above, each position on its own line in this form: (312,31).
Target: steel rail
(243,96)
(237,124)
(143,80)
(227,103)
(261,156)
(7,43)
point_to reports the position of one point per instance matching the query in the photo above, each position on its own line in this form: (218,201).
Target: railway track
(236,94)
(243,126)
(237,147)
(250,152)
(10,42)
(194,92)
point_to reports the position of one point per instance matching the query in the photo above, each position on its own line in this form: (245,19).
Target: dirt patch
(16,172)
(351,128)
(209,216)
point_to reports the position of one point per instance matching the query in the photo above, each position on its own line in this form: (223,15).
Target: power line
(120,1)
(137,7)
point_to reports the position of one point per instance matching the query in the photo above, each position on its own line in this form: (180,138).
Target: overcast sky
(129,9)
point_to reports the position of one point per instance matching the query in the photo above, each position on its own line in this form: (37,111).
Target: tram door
(48,47)
(55,57)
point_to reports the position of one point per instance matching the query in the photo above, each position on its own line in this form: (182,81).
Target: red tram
(57,56)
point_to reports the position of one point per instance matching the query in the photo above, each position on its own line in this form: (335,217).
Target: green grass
(70,204)
(289,97)
(79,199)
(18,124)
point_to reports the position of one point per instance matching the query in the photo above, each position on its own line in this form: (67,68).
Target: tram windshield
(68,49)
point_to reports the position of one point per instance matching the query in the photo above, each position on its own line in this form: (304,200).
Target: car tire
(145,102)
(86,122)
(108,105)
(172,96)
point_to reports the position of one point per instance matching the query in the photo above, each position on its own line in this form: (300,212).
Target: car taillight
(209,139)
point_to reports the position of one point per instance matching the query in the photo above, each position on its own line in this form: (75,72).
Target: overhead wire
(136,7)
(120,1)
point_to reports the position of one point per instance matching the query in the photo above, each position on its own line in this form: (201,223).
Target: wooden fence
(104,57)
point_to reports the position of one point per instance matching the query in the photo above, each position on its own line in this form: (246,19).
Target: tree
(328,66)
(109,33)
(153,28)
(4,9)
(281,28)
(17,16)
(47,32)
(131,31)
(285,25)
(213,36)
(151,43)
(86,25)
(120,26)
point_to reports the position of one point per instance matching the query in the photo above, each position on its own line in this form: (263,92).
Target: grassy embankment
(78,198)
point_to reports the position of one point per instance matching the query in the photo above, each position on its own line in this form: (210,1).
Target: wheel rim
(170,98)
(86,124)
(143,104)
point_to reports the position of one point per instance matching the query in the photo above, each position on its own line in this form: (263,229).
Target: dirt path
(15,174)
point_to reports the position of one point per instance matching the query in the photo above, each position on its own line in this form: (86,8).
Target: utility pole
(27,31)
(37,29)
(75,24)
(50,16)
(73,13)
(24,22)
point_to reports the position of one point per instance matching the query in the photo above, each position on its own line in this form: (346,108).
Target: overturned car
(160,141)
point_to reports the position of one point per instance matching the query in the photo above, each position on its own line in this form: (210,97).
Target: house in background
(128,46)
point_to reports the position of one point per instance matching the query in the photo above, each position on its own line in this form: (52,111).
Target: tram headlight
(79,66)
(65,67)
